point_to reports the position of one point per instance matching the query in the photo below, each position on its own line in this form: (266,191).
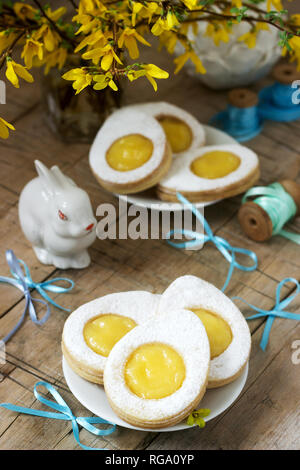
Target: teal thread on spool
(276,205)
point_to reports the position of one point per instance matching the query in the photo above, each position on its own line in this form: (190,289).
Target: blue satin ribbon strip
(229,252)
(276,312)
(63,412)
(22,280)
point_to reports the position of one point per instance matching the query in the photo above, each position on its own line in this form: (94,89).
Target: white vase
(234,64)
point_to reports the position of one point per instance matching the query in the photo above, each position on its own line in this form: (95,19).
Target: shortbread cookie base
(219,383)
(161,109)
(213,195)
(140,306)
(160,423)
(173,329)
(142,184)
(190,292)
(88,373)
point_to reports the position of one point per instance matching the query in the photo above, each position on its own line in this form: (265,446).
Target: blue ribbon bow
(64,413)
(277,311)
(221,244)
(23,281)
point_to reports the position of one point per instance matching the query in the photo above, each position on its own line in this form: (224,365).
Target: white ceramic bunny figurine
(56,216)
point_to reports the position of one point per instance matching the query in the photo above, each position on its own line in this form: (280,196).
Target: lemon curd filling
(129,152)
(179,135)
(103,332)
(218,331)
(216,164)
(154,371)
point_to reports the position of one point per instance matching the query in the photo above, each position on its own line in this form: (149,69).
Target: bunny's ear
(48,179)
(63,180)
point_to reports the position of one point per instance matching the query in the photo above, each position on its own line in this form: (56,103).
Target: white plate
(93,397)
(149,199)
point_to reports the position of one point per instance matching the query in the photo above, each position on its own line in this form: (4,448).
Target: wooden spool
(242,98)
(285,74)
(255,221)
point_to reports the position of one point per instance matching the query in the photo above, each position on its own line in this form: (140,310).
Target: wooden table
(266,414)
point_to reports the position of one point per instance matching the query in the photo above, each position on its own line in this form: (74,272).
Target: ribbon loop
(63,412)
(277,311)
(221,244)
(22,280)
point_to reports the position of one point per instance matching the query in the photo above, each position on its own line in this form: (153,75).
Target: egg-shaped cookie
(227,329)
(92,330)
(130,153)
(184,132)
(157,374)
(210,173)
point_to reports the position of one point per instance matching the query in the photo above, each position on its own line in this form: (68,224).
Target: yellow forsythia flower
(237,3)
(296,19)
(145,11)
(55,15)
(192,4)
(91,39)
(87,27)
(129,38)
(294,43)
(262,26)
(32,49)
(50,38)
(4,126)
(152,71)
(274,3)
(106,54)
(249,39)
(166,24)
(80,77)
(189,55)
(169,40)
(217,33)
(13,70)
(6,40)
(137,7)
(56,58)
(102,81)
(24,11)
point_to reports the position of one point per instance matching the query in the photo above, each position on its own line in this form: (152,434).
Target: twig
(61,33)
(9,50)
(248,19)
(73,4)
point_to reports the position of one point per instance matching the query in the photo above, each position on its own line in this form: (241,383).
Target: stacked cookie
(161,145)
(157,354)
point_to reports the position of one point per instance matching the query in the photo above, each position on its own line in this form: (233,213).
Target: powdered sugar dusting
(140,306)
(162,108)
(179,329)
(181,178)
(119,124)
(192,292)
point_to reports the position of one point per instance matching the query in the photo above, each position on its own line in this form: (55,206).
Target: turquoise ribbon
(22,280)
(277,311)
(278,204)
(63,413)
(229,252)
